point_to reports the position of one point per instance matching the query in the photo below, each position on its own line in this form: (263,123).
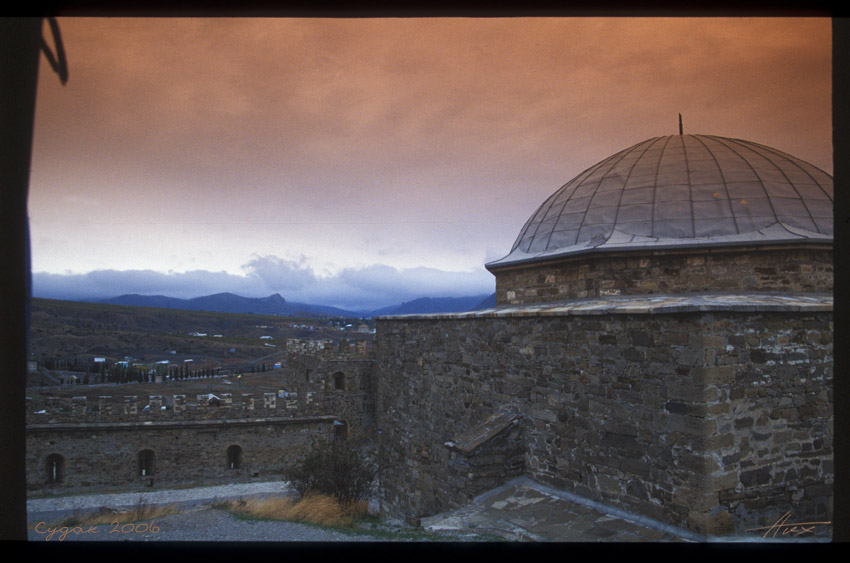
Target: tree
(338,469)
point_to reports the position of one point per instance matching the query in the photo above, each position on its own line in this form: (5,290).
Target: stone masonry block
(716,375)
(179,403)
(131,405)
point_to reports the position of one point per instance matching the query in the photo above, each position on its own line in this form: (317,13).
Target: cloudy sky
(363,162)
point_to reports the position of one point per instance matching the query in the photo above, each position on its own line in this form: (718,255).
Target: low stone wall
(97,454)
(714,420)
(801,269)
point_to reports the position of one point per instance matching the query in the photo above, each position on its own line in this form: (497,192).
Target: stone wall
(96,454)
(716,421)
(801,269)
(99,437)
(327,383)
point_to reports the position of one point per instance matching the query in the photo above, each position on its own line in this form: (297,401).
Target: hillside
(231,303)
(278,306)
(67,330)
(426,305)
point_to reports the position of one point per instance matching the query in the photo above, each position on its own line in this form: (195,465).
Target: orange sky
(317,149)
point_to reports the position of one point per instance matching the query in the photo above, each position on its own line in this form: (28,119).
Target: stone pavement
(523,510)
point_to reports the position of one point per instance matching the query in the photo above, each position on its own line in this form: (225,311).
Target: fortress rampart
(108,439)
(71,455)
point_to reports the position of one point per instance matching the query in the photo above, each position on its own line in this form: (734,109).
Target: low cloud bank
(358,289)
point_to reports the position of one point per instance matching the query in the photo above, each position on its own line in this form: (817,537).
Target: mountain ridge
(276,304)
(426,305)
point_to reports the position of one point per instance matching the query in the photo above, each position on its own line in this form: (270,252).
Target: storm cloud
(373,159)
(357,289)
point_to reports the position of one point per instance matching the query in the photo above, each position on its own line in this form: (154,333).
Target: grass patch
(322,510)
(326,512)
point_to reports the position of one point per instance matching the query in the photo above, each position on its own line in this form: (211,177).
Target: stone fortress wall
(96,441)
(74,456)
(713,420)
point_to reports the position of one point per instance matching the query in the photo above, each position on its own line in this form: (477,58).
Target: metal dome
(681,191)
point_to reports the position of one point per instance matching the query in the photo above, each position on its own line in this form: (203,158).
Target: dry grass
(141,511)
(318,509)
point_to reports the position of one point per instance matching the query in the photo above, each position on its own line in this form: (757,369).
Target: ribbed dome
(679,191)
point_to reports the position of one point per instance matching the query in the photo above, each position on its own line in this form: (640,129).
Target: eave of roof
(774,234)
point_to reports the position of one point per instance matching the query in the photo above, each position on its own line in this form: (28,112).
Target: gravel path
(196,521)
(190,496)
(199,524)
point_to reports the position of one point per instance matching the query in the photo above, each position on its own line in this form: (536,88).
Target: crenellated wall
(716,418)
(327,393)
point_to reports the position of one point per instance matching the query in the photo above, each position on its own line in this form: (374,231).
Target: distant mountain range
(277,305)
(425,305)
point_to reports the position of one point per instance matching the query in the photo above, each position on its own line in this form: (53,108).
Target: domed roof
(681,191)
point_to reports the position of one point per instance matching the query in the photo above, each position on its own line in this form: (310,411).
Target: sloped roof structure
(681,191)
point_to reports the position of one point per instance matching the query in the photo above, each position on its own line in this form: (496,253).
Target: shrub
(318,509)
(339,470)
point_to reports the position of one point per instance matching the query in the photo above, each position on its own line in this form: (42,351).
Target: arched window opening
(146,463)
(339,381)
(55,465)
(234,457)
(340,430)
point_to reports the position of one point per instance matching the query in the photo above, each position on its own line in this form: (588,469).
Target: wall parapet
(54,410)
(324,383)
(162,424)
(647,304)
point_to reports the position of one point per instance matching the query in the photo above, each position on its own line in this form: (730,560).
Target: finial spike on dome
(680,124)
